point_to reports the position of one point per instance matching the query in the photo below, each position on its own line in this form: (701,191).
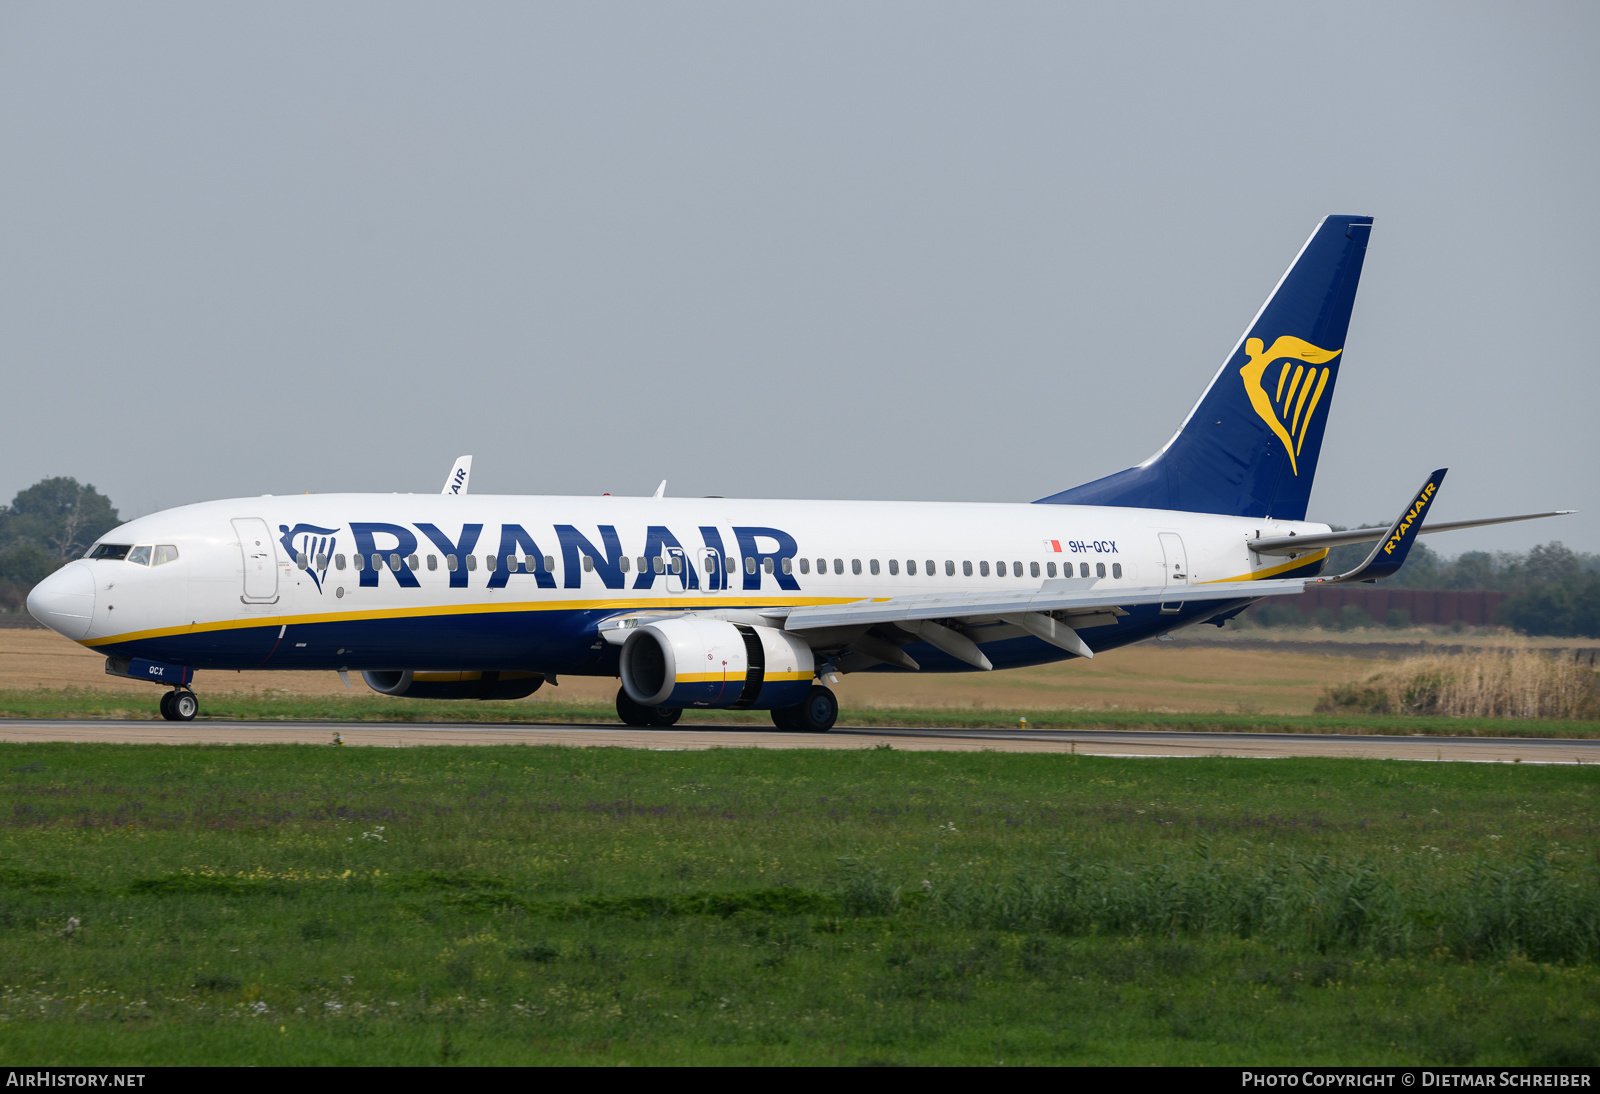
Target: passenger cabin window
(140,555)
(588,564)
(302,560)
(677,564)
(966,569)
(766,564)
(855,566)
(433,562)
(949,568)
(623,565)
(322,561)
(894,567)
(822,565)
(452,563)
(166,552)
(1016,569)
(1033,569)
(873,566)
(1099,569)
(911,567)
(750,565)
(658,565)
(394,562)
(788,565)
(488,563)
(413,562)
(838,565)
(928,567)
(1083,569)
(983,569)
(338,562)
(999,569)
(549,564)
(359,561)
(1050,568)
(113,551)
(805,565)
(1116,569)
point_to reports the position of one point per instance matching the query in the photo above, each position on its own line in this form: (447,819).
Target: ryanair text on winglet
(1410,518)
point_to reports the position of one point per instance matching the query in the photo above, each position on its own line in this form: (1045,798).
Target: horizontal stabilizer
(1295,545)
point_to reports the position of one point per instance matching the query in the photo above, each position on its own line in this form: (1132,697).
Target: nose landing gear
(179,705)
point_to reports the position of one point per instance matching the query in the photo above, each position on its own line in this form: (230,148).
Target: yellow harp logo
(1288,407)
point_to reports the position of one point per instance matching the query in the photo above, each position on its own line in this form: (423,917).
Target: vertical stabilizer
(1250,445)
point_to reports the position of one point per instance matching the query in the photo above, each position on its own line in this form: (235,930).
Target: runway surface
(1120,743)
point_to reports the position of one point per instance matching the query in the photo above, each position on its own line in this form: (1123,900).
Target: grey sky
(948,252)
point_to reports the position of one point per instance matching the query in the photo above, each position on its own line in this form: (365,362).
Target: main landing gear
(179,705)
(636,714)
(816,715)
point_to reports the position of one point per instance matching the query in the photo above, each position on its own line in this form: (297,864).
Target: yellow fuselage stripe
(1273,571)
(676,604)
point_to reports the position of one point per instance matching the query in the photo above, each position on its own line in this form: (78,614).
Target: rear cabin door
(260,560)
(1176,568)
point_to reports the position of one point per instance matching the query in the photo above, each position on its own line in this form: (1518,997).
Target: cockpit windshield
(111,550)
(140,555)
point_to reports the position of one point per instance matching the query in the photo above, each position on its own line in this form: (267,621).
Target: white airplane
(737,604)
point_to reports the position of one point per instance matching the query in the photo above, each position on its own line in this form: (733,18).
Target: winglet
(1390,553)
(661,491)
(459,474)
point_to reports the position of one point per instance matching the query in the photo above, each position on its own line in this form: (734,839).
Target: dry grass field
(1153,676)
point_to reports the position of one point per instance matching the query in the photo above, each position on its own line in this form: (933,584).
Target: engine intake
(713,663)
(454,685)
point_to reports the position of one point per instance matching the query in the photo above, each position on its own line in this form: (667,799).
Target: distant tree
(1565,609)
(58,516)
(1421,570)
(27,564)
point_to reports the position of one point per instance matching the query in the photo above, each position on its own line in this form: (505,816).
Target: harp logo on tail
(1286,397)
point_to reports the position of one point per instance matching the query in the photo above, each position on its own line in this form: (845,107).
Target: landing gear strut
(179,705)
(636,714)
(816,715)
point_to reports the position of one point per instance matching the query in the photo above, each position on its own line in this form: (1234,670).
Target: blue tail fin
(1250,445)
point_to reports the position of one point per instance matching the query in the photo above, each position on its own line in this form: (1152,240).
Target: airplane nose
(64,601)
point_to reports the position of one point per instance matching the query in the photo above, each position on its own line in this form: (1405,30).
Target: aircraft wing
(1049,613)
(1059,595)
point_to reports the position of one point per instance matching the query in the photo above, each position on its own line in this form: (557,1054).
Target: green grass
(67,703)
(306,904)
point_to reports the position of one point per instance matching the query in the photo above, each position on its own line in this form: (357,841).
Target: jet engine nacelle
(454,685)
(713,663)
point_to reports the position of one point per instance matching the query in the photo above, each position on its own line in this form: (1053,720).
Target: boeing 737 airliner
(720,603)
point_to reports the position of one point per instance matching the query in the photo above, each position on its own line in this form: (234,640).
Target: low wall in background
(1471,607)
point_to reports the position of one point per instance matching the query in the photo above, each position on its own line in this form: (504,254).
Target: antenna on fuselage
(459,474)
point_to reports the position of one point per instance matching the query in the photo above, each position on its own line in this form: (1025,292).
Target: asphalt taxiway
(690,737)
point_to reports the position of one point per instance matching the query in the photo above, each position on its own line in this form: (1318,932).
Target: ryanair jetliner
(723,603)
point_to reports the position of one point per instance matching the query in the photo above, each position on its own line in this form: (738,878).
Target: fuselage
(484,582)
